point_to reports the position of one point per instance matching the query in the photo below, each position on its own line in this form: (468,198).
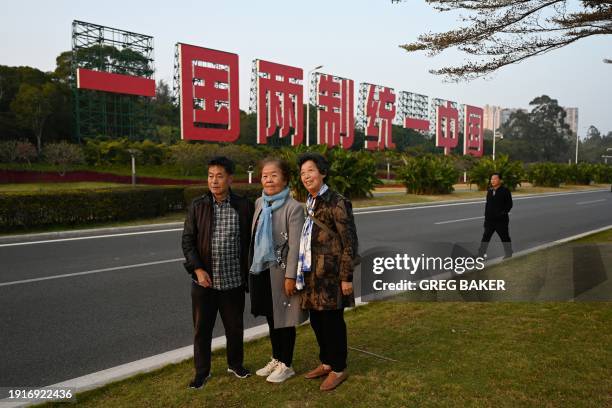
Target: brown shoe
(333,380)
(320,371)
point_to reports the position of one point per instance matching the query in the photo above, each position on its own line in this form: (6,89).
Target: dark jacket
(198,231)
(333,256)
(498,204)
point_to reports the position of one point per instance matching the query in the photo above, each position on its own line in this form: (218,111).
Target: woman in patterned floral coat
(328,251)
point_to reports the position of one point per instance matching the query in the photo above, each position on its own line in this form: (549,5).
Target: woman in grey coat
(277,225)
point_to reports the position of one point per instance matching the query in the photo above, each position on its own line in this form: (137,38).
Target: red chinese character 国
(209,94)
(473,140)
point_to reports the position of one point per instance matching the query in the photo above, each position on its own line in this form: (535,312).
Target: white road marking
(384,210)
(357,211)
(125,234)
(459,220)
(69,275)
(590,202)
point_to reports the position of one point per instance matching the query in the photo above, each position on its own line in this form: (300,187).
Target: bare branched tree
(498,33)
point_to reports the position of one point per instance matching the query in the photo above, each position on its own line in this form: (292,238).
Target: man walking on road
(499,204)
(216,242)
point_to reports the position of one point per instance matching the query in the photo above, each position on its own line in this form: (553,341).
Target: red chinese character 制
(209,94)
(380,111)
(279,102)
(335,114)
(447,127)
(473,140)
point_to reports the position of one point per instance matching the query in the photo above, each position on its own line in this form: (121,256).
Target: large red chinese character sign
(414,111)
(379,112)
(279,102)
(473,140)
(209,102)
(447,127)
(335,113)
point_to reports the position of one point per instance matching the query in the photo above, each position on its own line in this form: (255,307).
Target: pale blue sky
(357,39)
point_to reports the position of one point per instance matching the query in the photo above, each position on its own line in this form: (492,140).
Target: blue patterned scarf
(263,252)
(305,257)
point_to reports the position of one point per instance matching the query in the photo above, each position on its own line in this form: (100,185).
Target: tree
(503,32)
(540,135)
(165,113)
(32,107)
(594,145)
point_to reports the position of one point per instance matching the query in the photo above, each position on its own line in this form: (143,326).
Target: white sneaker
(280,373)
(268,369)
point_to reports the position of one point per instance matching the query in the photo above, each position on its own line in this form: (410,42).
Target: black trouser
(501,227)
(205,303)
(330,330)
(283,342)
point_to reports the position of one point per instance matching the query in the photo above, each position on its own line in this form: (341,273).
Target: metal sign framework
(100,49)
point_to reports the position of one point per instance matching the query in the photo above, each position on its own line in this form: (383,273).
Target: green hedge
(26,210)
(252,191)
(511,171)
(428,174)
(553,174)
(547,174)
(352,174)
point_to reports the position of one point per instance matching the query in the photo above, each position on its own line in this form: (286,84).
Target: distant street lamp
(250,171)
(495,131)
(308,103)
(133,153)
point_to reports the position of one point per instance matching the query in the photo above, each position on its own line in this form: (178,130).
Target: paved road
(130,298)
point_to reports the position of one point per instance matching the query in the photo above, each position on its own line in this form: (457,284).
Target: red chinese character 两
(473,140)
(279,102)
(335,114)
(209,94)
(380,111)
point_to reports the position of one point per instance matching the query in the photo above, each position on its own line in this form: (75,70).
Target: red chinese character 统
(380,111)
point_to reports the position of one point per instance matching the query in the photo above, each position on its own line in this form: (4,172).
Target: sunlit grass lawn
(451,354)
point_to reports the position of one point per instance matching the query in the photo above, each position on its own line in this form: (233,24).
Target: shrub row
(511,172)
(351,173)
(428,174)
(553,174)
(21,211)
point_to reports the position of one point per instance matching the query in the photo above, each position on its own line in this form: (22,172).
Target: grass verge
(498,354)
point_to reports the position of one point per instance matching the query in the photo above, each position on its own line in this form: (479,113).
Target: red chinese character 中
(380,111)
(209,94)
(473,140)
(335,114)
(279,102)
(447,127)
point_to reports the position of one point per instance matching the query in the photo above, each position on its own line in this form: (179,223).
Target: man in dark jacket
(216,242)
(499,204)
